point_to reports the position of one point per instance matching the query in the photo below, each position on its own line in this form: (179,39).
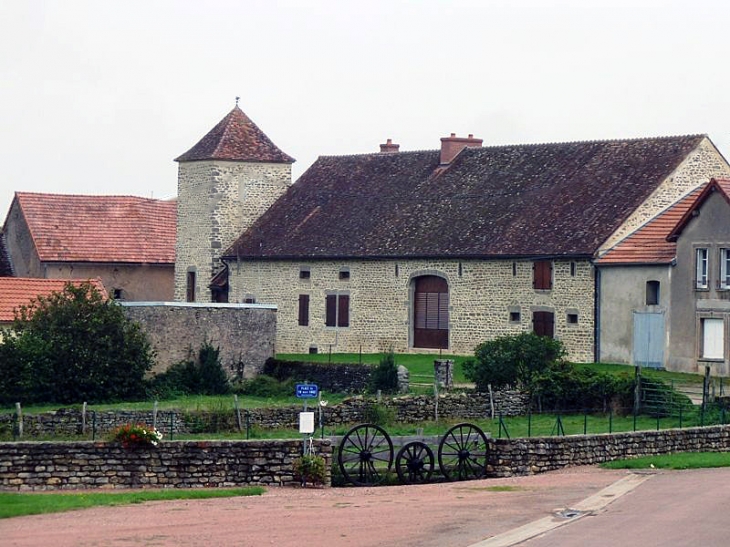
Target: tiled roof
(19,291)
(6,269)
(236,138)
(503,201)
(716,185)
(71,228)
(648,244)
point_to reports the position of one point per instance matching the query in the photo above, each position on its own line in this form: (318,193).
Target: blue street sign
(307,391)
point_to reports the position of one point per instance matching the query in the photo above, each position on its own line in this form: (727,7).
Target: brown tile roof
(236,138)
(6,269)
(503,201)
(72,228)
(716,185)
(19,291)
(648,244)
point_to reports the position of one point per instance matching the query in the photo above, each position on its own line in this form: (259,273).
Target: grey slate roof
(560,199)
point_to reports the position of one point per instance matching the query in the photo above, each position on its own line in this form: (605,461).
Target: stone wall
(245,333)
(482,294)
(406,409)
(178,464)
(540,454)
(333,378)
(217,201)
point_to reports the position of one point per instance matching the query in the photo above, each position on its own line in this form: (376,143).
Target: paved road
(674,508)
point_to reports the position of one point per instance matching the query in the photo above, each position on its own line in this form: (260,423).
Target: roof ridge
(104,196)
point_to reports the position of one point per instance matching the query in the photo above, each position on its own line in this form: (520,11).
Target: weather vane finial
(237,98)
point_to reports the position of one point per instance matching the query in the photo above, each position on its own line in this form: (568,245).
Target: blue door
(649,339)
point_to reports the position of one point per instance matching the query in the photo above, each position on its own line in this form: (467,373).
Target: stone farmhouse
(665,289)
(433,250)
(127,242)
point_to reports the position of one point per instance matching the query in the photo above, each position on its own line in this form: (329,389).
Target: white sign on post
(306,422)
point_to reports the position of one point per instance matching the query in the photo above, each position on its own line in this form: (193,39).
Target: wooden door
(431,313)
(543,323)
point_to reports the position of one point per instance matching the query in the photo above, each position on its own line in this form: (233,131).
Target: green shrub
(203,376)
(266,386)
(310,469)
(378,414)
(385,376)
(73,346)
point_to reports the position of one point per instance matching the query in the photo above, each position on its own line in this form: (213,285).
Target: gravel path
(448,514)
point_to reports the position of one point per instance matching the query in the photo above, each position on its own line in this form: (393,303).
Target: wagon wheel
(365,455)
(414,463)
(463,453)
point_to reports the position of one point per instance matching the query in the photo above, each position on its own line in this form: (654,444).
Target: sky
(99,97)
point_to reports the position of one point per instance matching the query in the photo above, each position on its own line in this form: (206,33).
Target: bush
(266,386)
(132,435)
(73,346)
(311,469)
(385,376)
(203,376)
(512,361)
(378,414)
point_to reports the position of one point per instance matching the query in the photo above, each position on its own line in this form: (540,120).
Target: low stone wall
(245,333)
(540,454)
(178,464)
(330,377)
(405,409)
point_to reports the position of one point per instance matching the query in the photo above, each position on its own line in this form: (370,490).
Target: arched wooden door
(431,313)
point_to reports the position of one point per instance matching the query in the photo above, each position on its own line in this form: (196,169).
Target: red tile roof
(649,244)
(19,291)
(559,199)
(715,185)
(236,138)
(72,228)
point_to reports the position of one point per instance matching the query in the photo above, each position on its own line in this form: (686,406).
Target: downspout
(596,314)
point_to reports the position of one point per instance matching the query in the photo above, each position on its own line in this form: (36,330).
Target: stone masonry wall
(216,202)
(482,293)
(702,165)
(245,333)
(334,378)
(540,454)
(177,464)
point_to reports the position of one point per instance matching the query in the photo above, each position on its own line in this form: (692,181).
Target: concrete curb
(586,507)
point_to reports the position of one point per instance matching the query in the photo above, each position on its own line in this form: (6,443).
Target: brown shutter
(543,323)
(303,310)
(343,318)
(542,274)
(330,310)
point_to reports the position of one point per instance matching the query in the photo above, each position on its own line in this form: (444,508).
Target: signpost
(306,419)
(307,391)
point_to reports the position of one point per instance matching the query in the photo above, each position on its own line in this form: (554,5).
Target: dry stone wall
(482,294)
(178,464)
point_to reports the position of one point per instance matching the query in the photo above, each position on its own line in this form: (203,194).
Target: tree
(73,346)
(513,361)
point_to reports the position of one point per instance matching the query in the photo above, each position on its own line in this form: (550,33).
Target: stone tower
(225,182)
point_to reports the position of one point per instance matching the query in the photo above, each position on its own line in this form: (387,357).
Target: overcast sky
(100,97)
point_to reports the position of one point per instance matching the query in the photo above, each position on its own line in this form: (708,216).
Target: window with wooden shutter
(542,275)
(337,310)
(330,319)
(543,323)
(303,310)
(431,313)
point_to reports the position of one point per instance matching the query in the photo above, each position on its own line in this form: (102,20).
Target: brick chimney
(389,147)
(451,146)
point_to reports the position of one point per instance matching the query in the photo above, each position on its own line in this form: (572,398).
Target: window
(337,310)
(303,310)
(542,275)
(249,299)
(652,293)
(701,269)
(191,287)
(344,274)
(573,267)
(304,273)
(543,323)
(461,270)
(713,338)
(572,318)
(514,269)
(117,294)
(514,317)
(725,269)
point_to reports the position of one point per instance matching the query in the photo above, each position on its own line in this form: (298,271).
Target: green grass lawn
(21,504)
(685,460)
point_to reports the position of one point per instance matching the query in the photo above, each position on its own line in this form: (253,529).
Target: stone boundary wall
(540,454)
(406,409)
(176,464)
(332,377)
(245,333)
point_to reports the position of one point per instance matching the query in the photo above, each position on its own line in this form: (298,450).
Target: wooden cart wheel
(414,463)
(365,455)
(463,453)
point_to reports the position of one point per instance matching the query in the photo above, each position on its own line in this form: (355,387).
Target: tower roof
(236,138)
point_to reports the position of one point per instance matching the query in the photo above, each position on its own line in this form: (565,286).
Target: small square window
(117,294)
(572,318)
(344,275)
(249,300)
(304,273)
(514,317)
